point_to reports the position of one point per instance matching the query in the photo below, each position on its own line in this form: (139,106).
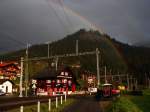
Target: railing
(21,103)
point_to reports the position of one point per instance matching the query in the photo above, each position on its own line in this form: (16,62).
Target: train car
(109,91)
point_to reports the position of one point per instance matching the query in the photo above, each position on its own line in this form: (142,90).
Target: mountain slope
(143,44)
(116,56)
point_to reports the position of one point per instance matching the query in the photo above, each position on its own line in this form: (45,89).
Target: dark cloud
(126,20)
(38,21)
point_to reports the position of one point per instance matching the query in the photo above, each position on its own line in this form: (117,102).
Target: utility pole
(97,62)
(105,75)
(48,48)
(136,83)
(128,82)
(119,77)
(56,63)
(77,47)
(146,81)
(111,75)
(27,71)
(110,72)
(149,81)
(131,83)
(112,78)
(21,78)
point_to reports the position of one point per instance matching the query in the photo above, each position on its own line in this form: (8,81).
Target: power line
(55,12)
(72,55)
(61,2)
(12,38)
(61,56)
(1,48)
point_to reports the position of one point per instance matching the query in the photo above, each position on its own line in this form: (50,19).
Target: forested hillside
(118,57)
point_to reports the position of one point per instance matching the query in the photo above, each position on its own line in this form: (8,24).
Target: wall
(5,85)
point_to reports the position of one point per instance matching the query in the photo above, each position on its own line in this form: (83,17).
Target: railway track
(14,102)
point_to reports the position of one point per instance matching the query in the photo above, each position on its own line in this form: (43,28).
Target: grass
(143,102)
(123,104)
(44,107)
(146,92)
(131,103)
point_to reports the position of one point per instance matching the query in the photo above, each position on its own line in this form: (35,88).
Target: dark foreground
(84,104)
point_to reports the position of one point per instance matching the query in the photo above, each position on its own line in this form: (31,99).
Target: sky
(42,21)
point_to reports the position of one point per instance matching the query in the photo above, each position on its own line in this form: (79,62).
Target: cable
(55,12)
(61,2)
(12,37)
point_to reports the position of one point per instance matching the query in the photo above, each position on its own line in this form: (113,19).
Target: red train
(109,91)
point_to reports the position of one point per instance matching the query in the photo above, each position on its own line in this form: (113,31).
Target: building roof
(47,73)
(6,64)
(4,80)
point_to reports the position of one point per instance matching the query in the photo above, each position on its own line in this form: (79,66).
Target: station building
(51,82)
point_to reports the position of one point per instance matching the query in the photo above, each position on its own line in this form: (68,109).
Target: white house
(6,86)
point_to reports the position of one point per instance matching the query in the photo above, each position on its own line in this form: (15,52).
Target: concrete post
(56,102)
(21,108)
(38,106)
(49,105)
(61,100)
(65,96)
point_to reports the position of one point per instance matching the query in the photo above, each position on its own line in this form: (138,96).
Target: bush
(135,93)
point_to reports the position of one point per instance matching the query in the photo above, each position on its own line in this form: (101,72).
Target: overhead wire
(56,14)
(61,2)
(92,25)
(11,37)
(2,49)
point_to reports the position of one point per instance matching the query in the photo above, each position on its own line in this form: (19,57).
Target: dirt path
(84,104)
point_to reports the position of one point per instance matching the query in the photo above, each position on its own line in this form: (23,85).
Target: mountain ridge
(143,44)
(117,56)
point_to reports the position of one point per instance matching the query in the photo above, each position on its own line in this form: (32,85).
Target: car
(2,93)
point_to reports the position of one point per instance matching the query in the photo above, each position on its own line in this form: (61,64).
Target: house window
(62,73)
(66,73)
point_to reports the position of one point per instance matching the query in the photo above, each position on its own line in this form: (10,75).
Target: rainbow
(95,27)
(82,18)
